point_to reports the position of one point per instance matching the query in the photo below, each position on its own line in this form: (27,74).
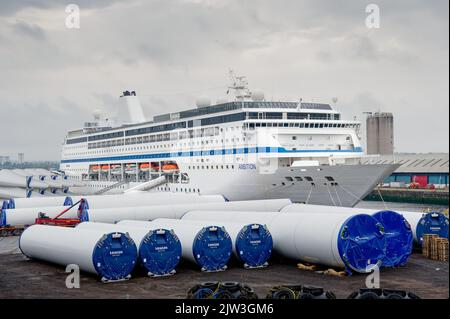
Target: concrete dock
(405,195)
(23,278)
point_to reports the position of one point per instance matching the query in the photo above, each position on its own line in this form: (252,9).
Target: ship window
(289,179)
(294,137)
(296,116)
(308,178)
(298,179)
(329,178)
(274,116)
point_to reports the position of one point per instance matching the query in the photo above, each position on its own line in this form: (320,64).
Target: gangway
(110,187)
(146,186)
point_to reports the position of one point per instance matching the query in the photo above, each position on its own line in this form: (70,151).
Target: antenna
(240,86)
(299,104)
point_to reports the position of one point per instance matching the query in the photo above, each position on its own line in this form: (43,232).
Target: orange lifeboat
(105,168)
(144,167)
(95,168)
(170,168)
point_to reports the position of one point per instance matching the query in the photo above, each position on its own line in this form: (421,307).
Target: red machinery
(58,221)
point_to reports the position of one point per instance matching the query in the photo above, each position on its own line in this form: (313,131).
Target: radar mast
(239,85)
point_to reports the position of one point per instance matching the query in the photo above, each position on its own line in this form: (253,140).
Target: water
(400,206)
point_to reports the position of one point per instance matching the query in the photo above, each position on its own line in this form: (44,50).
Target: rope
(337,194)
(350,193)
(331,196)
(309,195)
(382,199)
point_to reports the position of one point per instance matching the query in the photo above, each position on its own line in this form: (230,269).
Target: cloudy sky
(171,51)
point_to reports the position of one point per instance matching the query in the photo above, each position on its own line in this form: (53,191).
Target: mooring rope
(382,199)
(309,195)
(331,196)
(338,197)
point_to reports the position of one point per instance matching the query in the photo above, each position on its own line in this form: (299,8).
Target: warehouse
(423,169)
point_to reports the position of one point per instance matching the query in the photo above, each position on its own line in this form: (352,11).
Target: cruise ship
(244,148)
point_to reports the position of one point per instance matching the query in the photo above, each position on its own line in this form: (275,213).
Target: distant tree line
(49,165)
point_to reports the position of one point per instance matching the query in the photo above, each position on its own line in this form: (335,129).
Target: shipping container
(422,180)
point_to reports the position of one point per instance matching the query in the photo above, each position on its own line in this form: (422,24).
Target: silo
(380,133)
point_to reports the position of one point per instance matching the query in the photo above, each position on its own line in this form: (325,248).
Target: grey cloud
(288,48)
(31,30)
(10,7)
(36,128)
(364,47)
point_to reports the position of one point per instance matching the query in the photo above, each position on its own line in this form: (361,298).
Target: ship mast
(239,85)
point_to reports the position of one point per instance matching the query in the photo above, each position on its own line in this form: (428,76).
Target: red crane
(43,219)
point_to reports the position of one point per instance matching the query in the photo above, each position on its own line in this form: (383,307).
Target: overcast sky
(171,51)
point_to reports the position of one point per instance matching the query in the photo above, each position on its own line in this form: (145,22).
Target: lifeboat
(95,168)
(144,167)
(105,168)
(130,168)
(170,168)
(155,166)
(116,169)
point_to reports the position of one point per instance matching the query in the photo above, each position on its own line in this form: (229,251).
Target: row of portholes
(102,186)
(178,190)
(212,167)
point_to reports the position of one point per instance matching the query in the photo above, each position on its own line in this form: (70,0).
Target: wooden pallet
(434,248)
(427,245)
(442,249)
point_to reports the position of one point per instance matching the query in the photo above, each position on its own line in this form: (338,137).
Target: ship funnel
(132,111)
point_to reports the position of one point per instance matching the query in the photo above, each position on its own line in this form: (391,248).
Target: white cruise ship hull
(338,185)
